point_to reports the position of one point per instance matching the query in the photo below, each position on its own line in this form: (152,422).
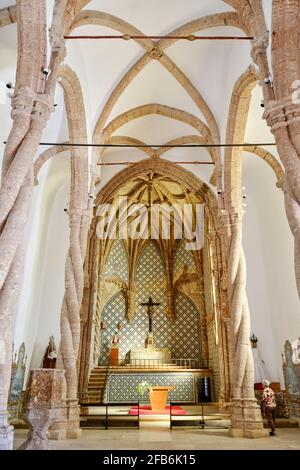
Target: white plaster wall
(268,245)
(47,242)
(53,252)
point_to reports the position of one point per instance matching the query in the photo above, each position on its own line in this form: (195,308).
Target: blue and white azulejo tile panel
(122,387)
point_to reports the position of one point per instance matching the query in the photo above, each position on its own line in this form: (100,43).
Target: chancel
(149,221)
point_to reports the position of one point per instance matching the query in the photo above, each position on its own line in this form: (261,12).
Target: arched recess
(219,313)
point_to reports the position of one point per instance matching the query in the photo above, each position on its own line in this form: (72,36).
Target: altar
(159,396)
(148,356)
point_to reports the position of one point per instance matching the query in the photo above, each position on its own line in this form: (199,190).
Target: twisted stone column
(80,214)
(284,121)
(282,103)
(218,235)
(246,420)
(31,109)
(70,319)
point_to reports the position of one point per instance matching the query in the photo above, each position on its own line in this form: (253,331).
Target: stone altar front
(148,357)
(159,396)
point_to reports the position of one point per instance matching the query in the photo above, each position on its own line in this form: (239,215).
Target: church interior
(149,224)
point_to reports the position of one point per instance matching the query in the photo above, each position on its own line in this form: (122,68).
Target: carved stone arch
(236,127)
(270,160)
(228,18)
(101,18)
(235,133)
(106,195)
(45,156)
(251,13)
(165,168)
(161,110)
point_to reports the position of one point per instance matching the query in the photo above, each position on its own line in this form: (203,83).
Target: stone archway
(217,313)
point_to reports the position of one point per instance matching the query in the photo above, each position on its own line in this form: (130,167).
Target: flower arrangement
(143,388)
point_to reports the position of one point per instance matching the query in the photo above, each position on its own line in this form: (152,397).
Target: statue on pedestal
(290,375)
(116,339)
(291,381)
(49,360)
(114,352)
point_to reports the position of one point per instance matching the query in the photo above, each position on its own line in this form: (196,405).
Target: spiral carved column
(70,321)
(31,109)
(246,420)
(282,104)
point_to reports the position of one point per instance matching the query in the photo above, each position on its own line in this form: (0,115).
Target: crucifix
(150,304)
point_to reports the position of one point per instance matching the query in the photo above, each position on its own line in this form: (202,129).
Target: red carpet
(146,410)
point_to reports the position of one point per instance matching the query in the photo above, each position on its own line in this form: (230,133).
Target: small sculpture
(254,341)
(50,356)
(290,375)
(116,338)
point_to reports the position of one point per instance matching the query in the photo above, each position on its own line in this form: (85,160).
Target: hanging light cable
(190,37)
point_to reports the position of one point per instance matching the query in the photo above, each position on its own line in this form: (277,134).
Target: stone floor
(161,438)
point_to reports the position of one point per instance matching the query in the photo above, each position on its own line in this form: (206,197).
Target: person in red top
(269,405)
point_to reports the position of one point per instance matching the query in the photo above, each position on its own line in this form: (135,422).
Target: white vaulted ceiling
(212,67)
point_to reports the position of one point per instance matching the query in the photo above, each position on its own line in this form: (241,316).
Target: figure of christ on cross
(150,310)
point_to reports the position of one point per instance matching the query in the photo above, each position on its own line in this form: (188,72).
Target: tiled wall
(122,387)
(182,335)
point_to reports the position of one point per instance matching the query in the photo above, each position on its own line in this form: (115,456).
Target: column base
(36,444)
(250,433)
(67,425)
(74,433)
(46,391)
(246,419)
(6,437)
(39,420)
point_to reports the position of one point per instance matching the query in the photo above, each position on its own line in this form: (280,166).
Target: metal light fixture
(254,341)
